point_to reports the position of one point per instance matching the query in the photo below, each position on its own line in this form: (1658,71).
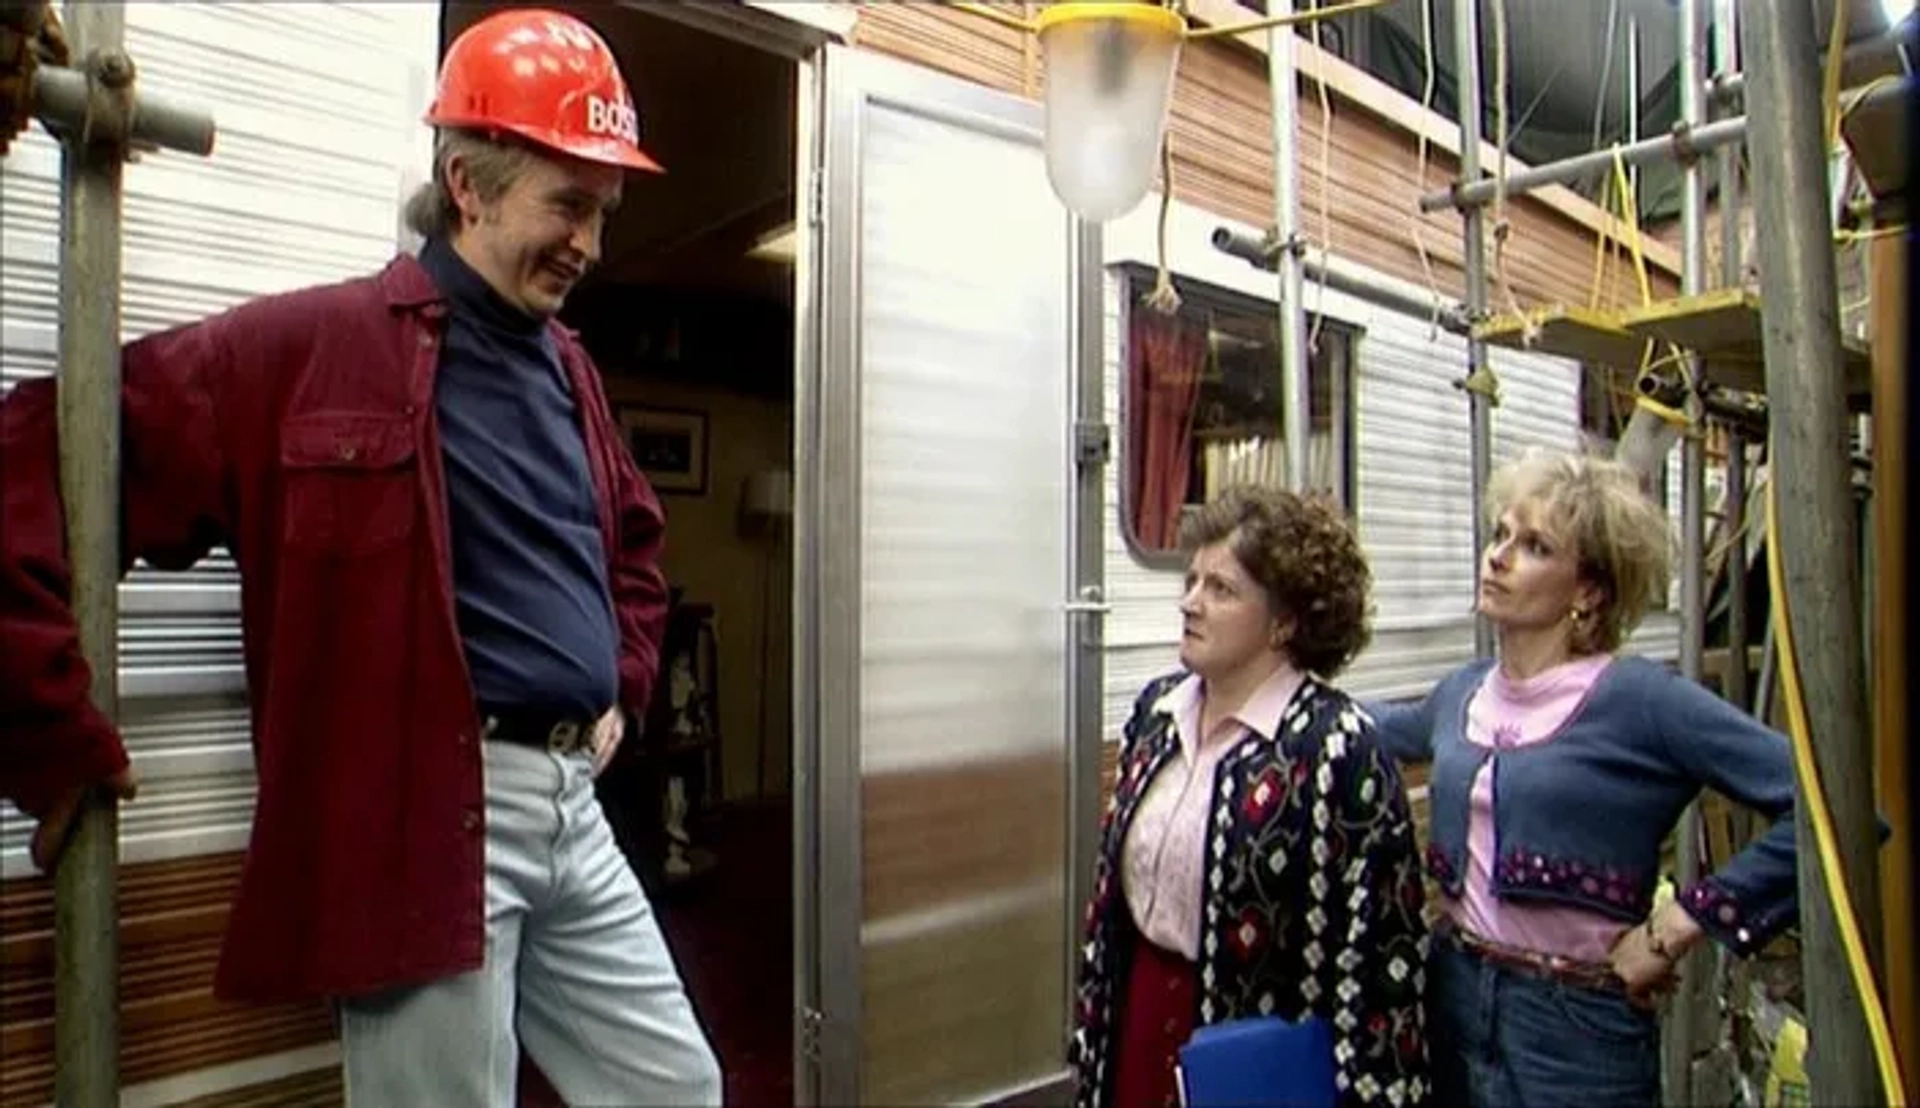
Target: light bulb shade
(1110,73)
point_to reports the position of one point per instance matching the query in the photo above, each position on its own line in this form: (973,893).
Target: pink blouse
(1505,713)
(1165,849)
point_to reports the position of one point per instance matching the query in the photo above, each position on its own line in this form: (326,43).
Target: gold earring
(1578,614)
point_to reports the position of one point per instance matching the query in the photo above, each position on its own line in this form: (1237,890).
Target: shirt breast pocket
(350,483)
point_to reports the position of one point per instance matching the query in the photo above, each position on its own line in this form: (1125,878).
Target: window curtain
(1166,355)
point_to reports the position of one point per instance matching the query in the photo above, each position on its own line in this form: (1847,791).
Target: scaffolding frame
(1803,372)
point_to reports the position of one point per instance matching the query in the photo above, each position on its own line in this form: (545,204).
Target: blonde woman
(1558,770)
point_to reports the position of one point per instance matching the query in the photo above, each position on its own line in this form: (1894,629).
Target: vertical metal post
(1726,52)
(86,904)
(1296,418)
(1688,1025)
(1633,111)
(1466,49)
(1818,551)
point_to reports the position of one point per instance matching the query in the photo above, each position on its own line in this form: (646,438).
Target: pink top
(1505,713)
(1165,851)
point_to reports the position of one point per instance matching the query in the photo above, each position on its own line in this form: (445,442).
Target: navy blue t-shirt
(529,565)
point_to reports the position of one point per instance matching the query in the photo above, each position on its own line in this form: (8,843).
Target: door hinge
(1093,444)
(810,1021)
(816,198)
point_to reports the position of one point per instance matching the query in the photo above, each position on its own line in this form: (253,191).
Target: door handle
(1092,602)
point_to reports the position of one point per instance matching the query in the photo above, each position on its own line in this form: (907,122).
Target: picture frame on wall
(669,445)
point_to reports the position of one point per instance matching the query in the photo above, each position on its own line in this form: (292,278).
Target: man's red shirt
(299,431)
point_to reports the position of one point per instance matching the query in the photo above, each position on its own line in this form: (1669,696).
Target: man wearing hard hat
(451,603)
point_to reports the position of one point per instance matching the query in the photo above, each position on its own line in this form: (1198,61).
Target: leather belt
(1532,963)
(541,730)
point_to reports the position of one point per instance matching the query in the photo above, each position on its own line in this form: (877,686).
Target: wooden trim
(1363,90)
(173,917)
(313,1089)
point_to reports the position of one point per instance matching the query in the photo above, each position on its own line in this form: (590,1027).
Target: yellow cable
(1872,1007)
(1326,202)
(1627,206)
(1599,250)
(1666,412)
(1848,237)
(1830,90)
(1415,219)
(1854,101)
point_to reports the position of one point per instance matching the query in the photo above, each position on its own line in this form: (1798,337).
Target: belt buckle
(564,738)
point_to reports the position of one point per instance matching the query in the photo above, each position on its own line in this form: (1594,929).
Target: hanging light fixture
(1110,73)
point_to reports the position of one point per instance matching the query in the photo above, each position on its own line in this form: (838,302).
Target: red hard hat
(546,77)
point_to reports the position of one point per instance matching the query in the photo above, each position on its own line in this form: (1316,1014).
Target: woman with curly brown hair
(1258,856)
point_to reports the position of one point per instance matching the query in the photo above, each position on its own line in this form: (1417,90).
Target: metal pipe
(1466,48)
(86,1068)
(1726,60)
(1690,1025)
(1259,253)
(1726,52)
(1680,143)
(1295,416)
(1800,331)
(1633,107)
(61,97)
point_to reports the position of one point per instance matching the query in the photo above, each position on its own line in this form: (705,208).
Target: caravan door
(947,605)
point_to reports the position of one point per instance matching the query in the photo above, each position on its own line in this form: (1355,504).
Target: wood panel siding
(1222,144)
(173,915)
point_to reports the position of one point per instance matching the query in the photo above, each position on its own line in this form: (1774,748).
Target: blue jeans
(577,971)
(1502,1039)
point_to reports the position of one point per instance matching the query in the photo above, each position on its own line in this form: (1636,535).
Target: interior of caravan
(690,317)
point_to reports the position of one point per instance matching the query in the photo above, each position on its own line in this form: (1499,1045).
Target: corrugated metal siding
(1413,484)
(318,109)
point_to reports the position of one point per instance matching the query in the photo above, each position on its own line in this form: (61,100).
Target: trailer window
(1202,407)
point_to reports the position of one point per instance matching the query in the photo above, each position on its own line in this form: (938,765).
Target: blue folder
(1264,1061)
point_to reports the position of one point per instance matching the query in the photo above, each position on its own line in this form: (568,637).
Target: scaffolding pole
(1809,467)
(86,1068)
(1737,688)
(1296,419)
(1466,48)
(92,107)
(1690,1025)
(1262,254)
(1682,142)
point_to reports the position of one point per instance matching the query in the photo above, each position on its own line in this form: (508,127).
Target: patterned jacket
(1314,904)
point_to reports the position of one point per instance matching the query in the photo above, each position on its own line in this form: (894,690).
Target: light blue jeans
(577,971)
(1501,1039)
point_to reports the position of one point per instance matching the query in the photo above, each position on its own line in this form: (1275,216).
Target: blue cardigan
(1579,820)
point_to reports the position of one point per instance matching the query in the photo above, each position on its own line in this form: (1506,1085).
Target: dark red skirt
(1156,1019)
